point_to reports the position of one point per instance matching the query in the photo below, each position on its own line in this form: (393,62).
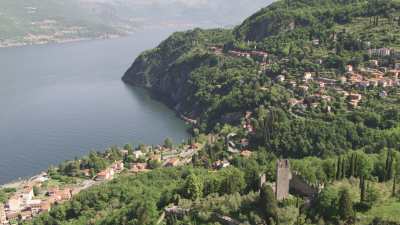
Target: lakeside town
(53,32)
(31,197)
(36,195)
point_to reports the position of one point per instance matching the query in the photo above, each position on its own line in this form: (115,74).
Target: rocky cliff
(166,70)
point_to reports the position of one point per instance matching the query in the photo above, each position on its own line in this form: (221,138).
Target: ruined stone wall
(300,187)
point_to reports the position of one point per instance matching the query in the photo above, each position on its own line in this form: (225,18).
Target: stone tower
(283,177)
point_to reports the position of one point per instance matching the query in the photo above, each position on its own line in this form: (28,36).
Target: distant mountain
(42,21)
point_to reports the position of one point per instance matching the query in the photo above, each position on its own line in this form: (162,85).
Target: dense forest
(234,191)
(217,89)
(313,81)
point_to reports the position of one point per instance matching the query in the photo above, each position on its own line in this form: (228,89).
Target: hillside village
(378,73)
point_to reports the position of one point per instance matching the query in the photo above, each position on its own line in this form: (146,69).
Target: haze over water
(59,101)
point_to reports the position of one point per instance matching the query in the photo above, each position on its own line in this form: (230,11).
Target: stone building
(3,218)
(283,177)
(14,203)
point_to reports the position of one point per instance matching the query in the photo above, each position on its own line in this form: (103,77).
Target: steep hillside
(165,69)
(290,59)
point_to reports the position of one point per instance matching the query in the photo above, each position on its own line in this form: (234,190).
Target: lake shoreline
(173,28)
(62,41)
(49,103)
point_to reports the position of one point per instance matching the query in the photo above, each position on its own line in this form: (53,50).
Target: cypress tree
(396,176)
(343,173)
(352,165)
(269,204)
(362,188)
(394,187)
(345,208)
(339,169)
(388,166)
(356,166)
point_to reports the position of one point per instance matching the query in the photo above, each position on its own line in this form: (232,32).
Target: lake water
(59,101)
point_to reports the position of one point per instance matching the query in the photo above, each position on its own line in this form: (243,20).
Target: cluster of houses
(370,77)
(3,216)
(166,157)
(24,205)
(108,173)
(220,164)
(259,56)
(373,75)
(383,52)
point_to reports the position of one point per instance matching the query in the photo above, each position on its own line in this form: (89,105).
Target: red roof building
(172,162)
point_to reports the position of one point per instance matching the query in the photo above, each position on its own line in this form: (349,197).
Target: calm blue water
(61,101)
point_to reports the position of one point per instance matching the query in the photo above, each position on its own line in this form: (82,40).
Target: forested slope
(315,81)
(320,37)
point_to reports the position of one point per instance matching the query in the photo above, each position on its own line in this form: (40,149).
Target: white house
(349,68)
(14,203)
(374,63)
(315,42)
(27,194)
(138,154)
(280,78)
(307,76)
(381,52)
(382,94)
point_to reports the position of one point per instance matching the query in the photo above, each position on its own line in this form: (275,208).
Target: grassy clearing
(387,207)
(386,34)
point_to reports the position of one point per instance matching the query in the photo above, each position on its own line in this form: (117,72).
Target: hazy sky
(220,12)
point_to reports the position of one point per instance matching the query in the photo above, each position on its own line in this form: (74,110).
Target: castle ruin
(286,182)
